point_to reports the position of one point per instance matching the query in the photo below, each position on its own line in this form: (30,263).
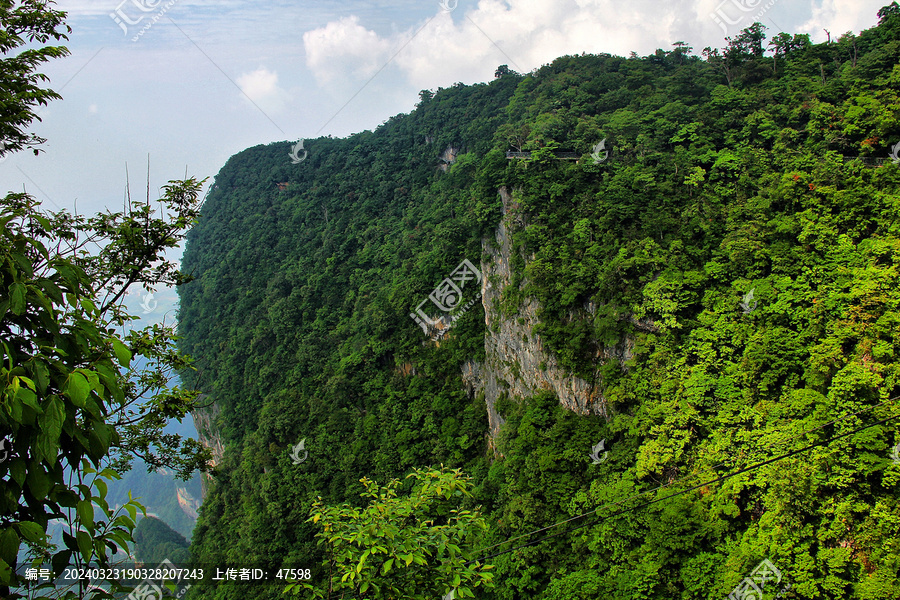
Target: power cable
(709,482)
(671,483)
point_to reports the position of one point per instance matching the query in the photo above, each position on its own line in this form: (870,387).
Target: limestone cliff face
(516,361)
(208,435)
(448,157)
(187,502)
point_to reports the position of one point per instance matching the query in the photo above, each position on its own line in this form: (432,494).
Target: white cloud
(261,87)
(839,17)
(467,44)
(343,48)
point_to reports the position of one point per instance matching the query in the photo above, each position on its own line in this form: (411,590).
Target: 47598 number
(293,574)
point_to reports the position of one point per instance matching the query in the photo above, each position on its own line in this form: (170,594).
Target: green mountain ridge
(156,542)
(718,291)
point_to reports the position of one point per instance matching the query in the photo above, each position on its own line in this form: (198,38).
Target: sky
(185,84)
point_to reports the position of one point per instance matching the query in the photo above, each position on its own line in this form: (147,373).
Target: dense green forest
(724,281)
(155,542)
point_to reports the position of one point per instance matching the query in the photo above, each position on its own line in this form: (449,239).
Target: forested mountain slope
(625,278)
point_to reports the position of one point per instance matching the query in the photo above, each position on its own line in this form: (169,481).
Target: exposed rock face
(448,158)
(516,362)
(208,435)
(187,502)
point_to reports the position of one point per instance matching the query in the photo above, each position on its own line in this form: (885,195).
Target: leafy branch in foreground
(73,388)
(412,547)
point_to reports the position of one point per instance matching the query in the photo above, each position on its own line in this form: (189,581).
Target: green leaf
(24,263)
(84,544)
(17,298)
(362,561)
(92,376)
(5,572)
(28,398)
(88,305)
(99,438)
(52,291)
(26,381)
(14,409)
(77,388)
(31,531)
(91,406)
(38,482)
(41,299)
(69,540)
(123,354)
(60,561)
(67,498)
(17,471)
(51,426)
(102,488)
(41,375)
(107,374)
(124,521)
(85,512)
(118,538)
(9,544)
